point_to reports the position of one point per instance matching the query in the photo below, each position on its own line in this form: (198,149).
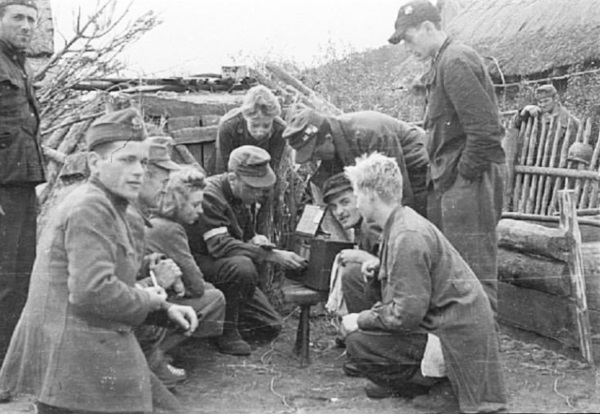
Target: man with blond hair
(426,287)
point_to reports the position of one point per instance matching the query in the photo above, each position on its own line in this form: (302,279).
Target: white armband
(214,232)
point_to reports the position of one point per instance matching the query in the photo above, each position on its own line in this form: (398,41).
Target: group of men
(424,205)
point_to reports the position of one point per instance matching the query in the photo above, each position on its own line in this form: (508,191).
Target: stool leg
(301,347)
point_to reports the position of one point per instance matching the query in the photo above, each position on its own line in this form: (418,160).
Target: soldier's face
(121,166)
(344,209)
(417,42)
(17,25)
(244,192)
(260,126)
(155,182)
(546,104)
(191,210)
(325,150)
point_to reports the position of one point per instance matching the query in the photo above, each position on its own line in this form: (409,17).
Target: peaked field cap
(28,3)
(160,153)
(412,14)
(251,164)
(123,125)
(335,185)
(546,91)
(297,123)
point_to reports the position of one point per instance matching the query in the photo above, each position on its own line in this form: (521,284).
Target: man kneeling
(426,287)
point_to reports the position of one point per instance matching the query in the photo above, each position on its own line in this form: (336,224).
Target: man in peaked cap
(338,141)
(467,161)
(74,347)
(228,250)
(21,162)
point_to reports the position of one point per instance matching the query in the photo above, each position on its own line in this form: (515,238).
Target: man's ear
(231,177)
(93,159)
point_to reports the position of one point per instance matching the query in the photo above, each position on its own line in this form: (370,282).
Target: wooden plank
(196,135)
(558,172)
(181,122)
(568,222)
(539,312)
(549,180)
(528,161)
(530,206)
(590,191)
(558,184)
(532,272)
(215,104)
(524,137)
(210,120)
(580,165)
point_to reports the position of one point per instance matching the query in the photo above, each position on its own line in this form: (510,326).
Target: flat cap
(123,125)
(251,164)
(302,131)
(412,14)
(335,185)
(28,3)
(546,91)
(160,153)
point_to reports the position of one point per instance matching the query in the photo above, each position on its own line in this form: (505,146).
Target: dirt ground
(271,380)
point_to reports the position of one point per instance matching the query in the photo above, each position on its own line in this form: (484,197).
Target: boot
(232,343)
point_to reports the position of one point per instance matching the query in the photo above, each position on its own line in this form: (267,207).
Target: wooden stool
(304,297)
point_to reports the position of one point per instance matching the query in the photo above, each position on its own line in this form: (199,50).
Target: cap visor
(260,182)
(305,152)
(167,165)
(396,37)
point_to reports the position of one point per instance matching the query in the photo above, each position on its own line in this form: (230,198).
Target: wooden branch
(545,219)
(54,155)
(558,172)
(568,221)
(72,121)
(318,103)
(533,239)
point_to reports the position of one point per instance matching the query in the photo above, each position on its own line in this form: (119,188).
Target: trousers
(467,214)
(17,254)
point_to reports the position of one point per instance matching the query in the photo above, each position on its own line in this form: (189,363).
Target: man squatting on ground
(21,162)
(74,348)
(337,141)
(467,169)
(227,249)
(171,197)
(425,287)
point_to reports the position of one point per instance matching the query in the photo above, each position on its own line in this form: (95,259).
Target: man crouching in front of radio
(227,249)
(426,287)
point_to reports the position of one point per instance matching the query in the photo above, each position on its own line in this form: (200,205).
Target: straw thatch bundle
(531,36)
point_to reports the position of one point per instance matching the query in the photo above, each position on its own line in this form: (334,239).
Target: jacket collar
(119,202)
(13,53)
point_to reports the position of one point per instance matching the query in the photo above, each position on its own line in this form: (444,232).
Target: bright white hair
(376,173)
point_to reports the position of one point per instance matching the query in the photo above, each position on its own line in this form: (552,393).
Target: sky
(200,36)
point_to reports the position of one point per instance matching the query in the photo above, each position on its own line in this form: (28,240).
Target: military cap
(546,91)
(28,3)
(123,125)
(160,153)
(302,131)
(335,185)
(412,14)
(251,164)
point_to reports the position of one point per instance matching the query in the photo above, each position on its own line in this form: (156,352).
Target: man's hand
(370,269)
(354,256)
(349,324)
(531,110)
(166,272)
(184,316)
(260,240)
(287,259)
(158,297)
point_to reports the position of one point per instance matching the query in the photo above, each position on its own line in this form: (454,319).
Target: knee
(241,270)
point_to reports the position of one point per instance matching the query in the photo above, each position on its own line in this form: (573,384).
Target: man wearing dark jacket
(227,249)
(467,169)
(21,162)
(338,141)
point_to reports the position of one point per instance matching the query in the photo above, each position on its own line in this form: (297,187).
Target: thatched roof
(43,40)
(531,36)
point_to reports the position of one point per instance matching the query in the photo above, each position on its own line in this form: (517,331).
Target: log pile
(536,290)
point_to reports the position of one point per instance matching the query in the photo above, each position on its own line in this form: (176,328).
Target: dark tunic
(74,345)
(427,287)
(233,133)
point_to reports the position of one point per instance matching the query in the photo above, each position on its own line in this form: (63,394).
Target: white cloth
(432,364)
(336,303)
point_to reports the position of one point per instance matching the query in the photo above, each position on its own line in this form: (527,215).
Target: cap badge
(136,123)
(408,10)
(309,132)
